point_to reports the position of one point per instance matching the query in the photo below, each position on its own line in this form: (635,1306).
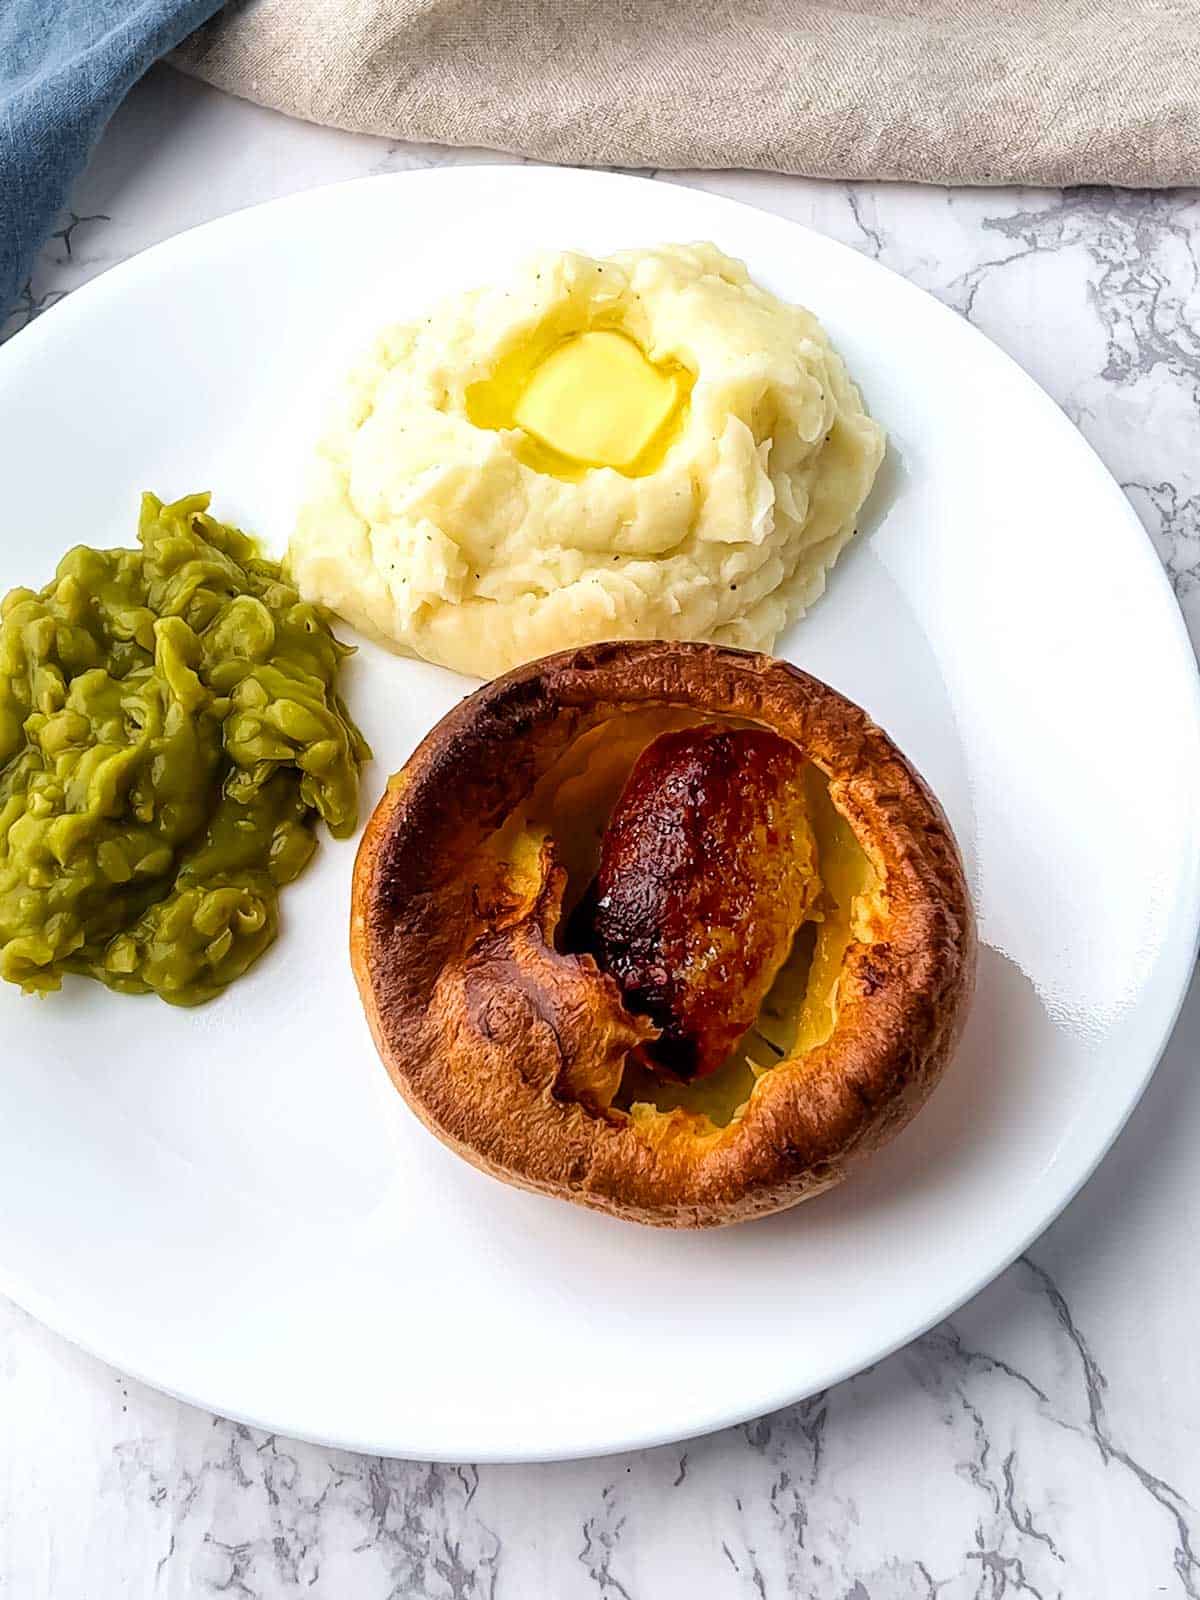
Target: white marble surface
(1046,1441)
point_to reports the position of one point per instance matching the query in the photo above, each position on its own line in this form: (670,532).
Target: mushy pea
(170,732)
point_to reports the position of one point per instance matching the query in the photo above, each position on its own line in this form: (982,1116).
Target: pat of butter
(597,400)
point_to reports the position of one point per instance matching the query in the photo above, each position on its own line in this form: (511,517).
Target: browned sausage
(707,869)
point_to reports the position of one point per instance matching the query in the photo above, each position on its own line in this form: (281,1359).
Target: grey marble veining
(1045,1441)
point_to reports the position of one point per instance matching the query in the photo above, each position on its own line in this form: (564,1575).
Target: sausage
(707,869)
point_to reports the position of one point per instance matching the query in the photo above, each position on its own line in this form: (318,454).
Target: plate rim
(24,347)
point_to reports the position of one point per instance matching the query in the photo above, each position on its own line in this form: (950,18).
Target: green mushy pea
(169,734)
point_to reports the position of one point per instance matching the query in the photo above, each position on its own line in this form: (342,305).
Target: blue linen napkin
(65,66)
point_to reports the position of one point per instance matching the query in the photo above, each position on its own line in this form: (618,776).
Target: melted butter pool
(593,399)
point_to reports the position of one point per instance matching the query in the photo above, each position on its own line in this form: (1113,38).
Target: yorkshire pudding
(475,939)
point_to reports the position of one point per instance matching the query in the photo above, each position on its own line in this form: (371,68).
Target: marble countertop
(1045,1442)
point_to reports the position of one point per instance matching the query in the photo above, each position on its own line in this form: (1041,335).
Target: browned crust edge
(486,1092)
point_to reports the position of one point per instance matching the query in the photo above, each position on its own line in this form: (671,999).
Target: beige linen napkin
(946,91)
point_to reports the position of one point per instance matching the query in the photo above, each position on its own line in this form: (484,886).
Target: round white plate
(232,1204)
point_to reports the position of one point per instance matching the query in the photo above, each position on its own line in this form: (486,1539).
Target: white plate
(233,1205)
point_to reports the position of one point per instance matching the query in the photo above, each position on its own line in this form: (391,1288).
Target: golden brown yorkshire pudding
(547,822)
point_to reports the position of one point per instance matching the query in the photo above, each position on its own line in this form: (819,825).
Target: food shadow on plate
(992,1076)
(862,586)
(891,480)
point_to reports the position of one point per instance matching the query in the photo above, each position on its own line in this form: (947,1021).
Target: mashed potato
(439,526)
